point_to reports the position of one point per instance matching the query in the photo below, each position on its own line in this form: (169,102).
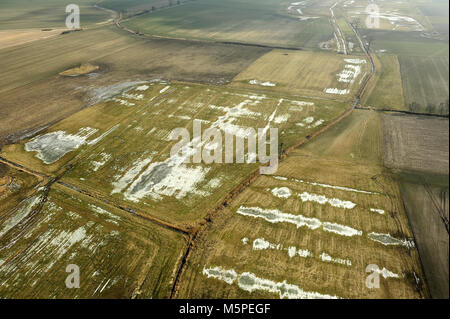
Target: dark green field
(251,21)
(405,43)
(425,83)
(130,7)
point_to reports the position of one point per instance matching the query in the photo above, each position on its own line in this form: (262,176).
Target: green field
(425,83)
(436,12)
(131,7)
(251,21)
(405,43)
(352,42)
(385,90)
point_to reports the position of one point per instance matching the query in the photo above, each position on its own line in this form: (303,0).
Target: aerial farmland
(224,149)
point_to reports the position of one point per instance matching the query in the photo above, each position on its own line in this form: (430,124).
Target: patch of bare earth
(416,143)
(9,38)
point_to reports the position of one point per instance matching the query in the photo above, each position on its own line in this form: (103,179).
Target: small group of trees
(171,2)
(441,108)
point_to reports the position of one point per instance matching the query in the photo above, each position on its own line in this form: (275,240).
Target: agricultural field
(133,148)
(40,96)
(351,40)
(264,22)
(415,143)
(425,83)
(404,43)
(385,90)
(392,15)
(426,202)
(416,148)
(38,14)
(9,38)
(15,186)
(436,12)
(321,74)
(120,148)
(311,230)
(119,255)
(132,7)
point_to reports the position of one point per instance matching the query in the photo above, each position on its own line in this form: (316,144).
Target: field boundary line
(128,210)
(368,108)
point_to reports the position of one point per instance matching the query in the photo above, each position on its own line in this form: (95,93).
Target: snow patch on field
(257,82)
(387,273)
(108,92)
(97,164)
(142,88)
(376,210)
(262,244)
(133,96)
(20,214)
(302,103)
(276,216)
(336,91)
(327,258)
(214,183)
(292,251)
(130,175)
(123,102)
(228,276)
(166,178)
(249,282)
(225,122)
(282,192)
(53,146)
(164,89)
(355,61)
(349,74)
(171,177)
(318,123)
(387,240)
(252,96)
(98,139)
(297,7)
(281,119)
(110,217)
(309,121)
(397,20)
(341,229)
(342,188)
(321,199)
